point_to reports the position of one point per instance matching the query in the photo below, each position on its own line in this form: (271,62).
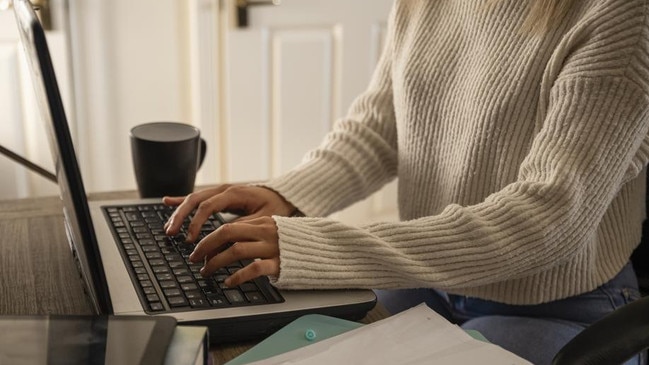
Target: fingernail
(204,271)
(193,257)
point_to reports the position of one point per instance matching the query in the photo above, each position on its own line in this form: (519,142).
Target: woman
(519,133)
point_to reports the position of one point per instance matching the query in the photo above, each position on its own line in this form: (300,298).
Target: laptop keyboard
(159,265)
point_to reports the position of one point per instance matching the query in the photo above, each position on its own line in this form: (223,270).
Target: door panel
(304,93)
(291,73)
(286,106)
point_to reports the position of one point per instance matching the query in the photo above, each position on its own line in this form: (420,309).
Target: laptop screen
(79,228)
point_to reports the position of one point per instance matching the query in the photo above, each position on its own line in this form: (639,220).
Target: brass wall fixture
(242,9)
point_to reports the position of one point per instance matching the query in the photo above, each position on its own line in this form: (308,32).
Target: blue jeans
(534,332)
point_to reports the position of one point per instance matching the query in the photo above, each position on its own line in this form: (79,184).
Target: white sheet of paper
(416,336)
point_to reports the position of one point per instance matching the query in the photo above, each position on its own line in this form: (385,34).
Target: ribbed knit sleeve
(571,175)
(531,196)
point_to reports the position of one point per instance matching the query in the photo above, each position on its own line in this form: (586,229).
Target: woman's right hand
(251,201)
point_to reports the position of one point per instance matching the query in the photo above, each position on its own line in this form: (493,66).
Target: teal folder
(302,332)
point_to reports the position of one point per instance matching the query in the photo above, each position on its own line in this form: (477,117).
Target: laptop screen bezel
(79,227)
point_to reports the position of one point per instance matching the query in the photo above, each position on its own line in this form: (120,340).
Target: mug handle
(203,152)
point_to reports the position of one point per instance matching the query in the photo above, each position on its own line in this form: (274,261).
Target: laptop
(128,265)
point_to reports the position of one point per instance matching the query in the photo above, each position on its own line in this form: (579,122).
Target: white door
(289,74)
(21,129)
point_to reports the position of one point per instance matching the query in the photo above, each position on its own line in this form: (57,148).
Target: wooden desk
(38,275)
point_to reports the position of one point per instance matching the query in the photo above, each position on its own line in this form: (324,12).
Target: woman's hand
(253,239)
(252,201)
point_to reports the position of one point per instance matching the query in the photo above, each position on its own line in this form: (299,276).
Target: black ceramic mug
(166,157)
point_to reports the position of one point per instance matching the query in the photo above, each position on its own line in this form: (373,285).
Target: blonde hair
(542,13)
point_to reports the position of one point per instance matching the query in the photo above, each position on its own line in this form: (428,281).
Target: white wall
(130,62)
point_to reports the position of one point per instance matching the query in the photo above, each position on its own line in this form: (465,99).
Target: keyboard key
(173,257)
(198,303)
(193,294)
(153,255)
(176,264)
(164,276)
(161,269)
(188,287)
(153,298)
(248,287)
(220,278)
(234,296)
(178,302)
(181,271)
(217,301)
(172,292)
(212,288)
(168,284)
(185,279)
(146,283)
(147,242)
(255,297)
(156,307)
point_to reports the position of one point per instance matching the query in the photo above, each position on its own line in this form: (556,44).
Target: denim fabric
(534,332)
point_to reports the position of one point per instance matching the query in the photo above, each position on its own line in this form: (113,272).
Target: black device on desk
(131,268)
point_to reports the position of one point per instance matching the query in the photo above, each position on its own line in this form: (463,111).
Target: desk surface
(39,275)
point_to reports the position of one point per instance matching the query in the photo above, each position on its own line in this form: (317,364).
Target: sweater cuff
(317,188)
(309,260)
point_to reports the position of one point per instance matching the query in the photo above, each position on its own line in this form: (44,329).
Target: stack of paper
(416,336)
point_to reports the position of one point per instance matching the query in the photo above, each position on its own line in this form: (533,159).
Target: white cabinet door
(289,74)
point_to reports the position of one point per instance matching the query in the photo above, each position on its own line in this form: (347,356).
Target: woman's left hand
(255,238)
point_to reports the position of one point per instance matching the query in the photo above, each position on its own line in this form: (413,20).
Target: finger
(229,199)
(185,208)
(262,229)
(254,270)
(173,201)
(251,217)
(238,251)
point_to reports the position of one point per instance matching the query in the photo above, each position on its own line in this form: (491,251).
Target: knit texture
(519,157)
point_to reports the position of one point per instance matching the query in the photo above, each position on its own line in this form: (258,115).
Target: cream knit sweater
(519,158)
